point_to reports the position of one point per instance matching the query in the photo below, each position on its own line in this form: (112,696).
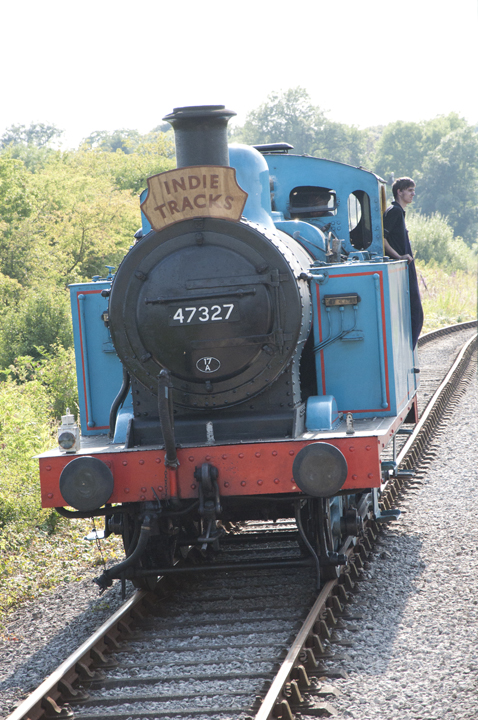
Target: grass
(38,549)
(447,298)
(34,559)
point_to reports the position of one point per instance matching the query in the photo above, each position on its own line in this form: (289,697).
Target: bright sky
(108,64)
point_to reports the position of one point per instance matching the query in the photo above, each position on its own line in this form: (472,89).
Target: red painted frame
(244,469)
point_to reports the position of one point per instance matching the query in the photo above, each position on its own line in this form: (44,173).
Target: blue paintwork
(98,369)
(145,224)
(291,171)
(363,352)
(252,174)
(309,236)
(322,413)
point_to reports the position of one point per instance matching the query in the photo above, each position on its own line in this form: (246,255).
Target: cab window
(360,220)
(310,201)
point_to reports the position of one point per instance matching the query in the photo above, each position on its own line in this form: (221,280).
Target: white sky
(108,64)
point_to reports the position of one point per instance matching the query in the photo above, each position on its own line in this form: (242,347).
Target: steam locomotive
(250,359)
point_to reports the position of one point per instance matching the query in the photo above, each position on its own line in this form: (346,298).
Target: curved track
(227,645)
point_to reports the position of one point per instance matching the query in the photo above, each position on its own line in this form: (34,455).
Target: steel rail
(440,396)
(51,682)
(291,661)
(447,330)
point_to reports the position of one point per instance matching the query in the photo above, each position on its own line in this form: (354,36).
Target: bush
(24,431)
(40,318)
(433,243)
(55,371)
(38,548)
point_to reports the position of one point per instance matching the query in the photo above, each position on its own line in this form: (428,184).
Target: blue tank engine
(250,358)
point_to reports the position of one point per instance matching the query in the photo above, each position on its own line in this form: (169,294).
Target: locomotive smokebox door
(216,303)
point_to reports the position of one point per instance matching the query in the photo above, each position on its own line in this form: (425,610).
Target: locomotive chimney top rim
(199,111)
(200,134)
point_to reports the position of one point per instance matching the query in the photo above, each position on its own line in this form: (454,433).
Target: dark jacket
(396,234)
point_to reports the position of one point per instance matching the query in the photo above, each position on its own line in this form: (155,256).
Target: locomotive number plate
(205,313)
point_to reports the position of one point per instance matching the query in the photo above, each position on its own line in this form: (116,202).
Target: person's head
(403,190)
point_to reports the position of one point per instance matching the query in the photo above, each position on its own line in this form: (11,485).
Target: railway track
(237,646)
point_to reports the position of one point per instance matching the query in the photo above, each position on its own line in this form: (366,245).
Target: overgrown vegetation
(64,215)
(38,548)
(448,297)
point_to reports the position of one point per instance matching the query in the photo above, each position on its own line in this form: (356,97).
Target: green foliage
(16,204)
(10,292)
(448,182)
(14,186)
(287,117)
(38,134)
(64,216)
(24,431)
(399,150)
(55,370)
(38,318)
(342,143)
(124,140)
(154,153)
(32,145)
(447,297)
(433,242)
(402,147)
(79,222)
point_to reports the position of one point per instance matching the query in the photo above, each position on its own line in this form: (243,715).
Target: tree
(17,202)
(64,223)
(153,154)
(163,128)
(291,117)
(40,319)
(80,223)
(448,183)
(124,140)
(64,219)
(287,117)
(38,135)
(340,142)
(435,130)
(402,146)
(399,150)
